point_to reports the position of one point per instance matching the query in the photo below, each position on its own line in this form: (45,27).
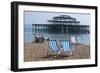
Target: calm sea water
(29,36)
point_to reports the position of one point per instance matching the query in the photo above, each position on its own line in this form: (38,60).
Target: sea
(29,35)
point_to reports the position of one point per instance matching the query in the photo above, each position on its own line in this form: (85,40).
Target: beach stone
(38,38)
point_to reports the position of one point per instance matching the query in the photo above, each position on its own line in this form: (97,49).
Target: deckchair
(52,44)
(79,40)
(66,46)
(73,39)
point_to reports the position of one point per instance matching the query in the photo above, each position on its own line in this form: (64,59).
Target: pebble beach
(37,52)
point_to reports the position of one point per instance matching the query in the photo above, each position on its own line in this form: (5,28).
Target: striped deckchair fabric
(79,40)
(73,40)
(65,45)
(53,45)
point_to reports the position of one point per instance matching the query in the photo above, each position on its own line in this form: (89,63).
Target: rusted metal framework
(63,24)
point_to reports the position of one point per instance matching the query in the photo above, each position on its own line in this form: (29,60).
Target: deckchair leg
(71,53)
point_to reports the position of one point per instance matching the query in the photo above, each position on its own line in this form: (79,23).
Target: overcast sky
(34,17)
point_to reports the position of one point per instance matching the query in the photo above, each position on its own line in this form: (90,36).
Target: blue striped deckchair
(53,45)
(79,40)
(65,45)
